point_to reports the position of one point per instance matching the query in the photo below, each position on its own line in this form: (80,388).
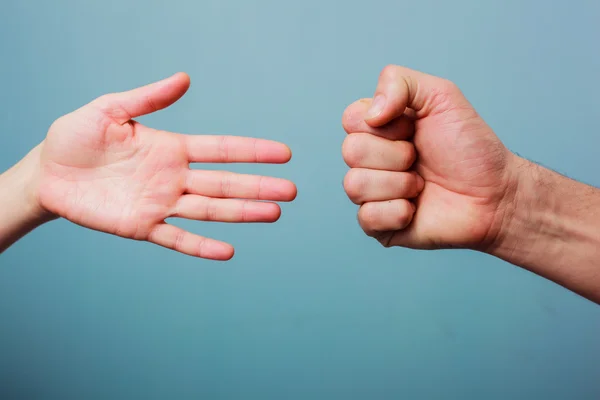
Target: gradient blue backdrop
(309,308)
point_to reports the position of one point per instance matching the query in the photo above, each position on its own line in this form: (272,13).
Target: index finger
(400,128)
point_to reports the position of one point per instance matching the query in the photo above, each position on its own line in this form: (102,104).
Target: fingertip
(183,77)
(292,191)
(279,189)
(231,254)
(420,182)
(259,212)
(182,82)
(271,152)
(275,213)
(413,206)
(275,152)
(287,153)
(284,153)
(225,252)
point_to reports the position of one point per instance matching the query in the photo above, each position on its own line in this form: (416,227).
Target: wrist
(20,208)
(22,182)
(521,212)
(550,224)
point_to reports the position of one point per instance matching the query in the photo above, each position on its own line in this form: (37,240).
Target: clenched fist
(426,170)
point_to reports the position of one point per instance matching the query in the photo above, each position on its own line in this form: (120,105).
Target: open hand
(101,169)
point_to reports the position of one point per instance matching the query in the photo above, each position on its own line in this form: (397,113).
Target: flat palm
(104,171)
(122,179)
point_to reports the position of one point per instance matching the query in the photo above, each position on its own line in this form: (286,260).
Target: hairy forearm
(552,228)
(20,212)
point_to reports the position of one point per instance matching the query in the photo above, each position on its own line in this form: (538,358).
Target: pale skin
(475,193)
(101,169)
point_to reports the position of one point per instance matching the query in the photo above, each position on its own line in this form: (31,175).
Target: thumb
(400,88)
(124,106)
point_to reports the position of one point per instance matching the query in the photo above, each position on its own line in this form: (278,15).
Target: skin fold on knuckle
(178,241)
(211,210)
(223,147)
(225,187)
(109,105)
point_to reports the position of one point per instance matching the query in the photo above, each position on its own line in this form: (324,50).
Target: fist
(379,180)
(426,170)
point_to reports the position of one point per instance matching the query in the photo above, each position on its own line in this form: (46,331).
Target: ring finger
(203,208)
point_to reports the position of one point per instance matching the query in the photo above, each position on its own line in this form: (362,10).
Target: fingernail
(377,106)
(420,183)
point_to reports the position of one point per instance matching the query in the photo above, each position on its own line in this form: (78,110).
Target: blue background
(309,308)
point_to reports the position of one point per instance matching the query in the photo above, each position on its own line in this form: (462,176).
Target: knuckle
(388,71)
(225,188)
(353,116)
(178,241)
(347,118)
(105,103)
(448,87)
(368,217)
(109,106)
(409,83)
(353,149)
(259,187)
(151,104)
(104,100)
(354,184)
(243,211)
(211,210)
(60,124)
(223,148)
(255,152)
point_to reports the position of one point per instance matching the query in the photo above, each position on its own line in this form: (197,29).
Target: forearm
(552,228)
(20,212)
